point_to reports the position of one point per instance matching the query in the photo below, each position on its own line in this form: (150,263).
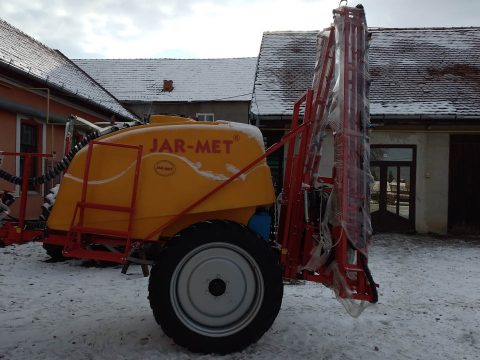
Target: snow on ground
(429,308)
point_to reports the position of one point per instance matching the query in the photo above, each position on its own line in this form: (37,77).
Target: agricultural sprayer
(194,200)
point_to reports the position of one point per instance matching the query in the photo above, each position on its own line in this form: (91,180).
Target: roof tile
(193,79)
(414,71)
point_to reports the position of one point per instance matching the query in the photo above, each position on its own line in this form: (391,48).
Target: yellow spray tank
(182,160)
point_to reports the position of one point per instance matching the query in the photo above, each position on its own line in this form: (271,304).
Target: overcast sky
(204,28)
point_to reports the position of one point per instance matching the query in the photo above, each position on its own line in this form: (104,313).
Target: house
(425,112)
(207,89)
(39,89)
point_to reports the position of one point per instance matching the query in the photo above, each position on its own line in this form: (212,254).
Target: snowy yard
(429,308)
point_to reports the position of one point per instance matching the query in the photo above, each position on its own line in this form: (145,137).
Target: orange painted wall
(8,123)
(54,139)
(26,97)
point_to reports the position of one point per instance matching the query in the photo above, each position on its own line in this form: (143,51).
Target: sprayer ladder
(76,242)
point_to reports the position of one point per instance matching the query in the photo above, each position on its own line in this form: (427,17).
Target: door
(392,204)
(464,185)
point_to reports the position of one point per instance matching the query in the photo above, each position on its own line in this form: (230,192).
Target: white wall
(436,182)
(431,200)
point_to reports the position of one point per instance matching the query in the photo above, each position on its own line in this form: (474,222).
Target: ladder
(80,237)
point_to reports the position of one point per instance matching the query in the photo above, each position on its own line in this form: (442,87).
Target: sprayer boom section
(324,225)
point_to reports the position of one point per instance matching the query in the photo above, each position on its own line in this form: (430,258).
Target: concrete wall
(436,182)
(236,111)
(431,202)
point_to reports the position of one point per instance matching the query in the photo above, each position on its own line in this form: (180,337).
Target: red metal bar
(295,234)
(133,201)
(97,255)
(100,231)
(67,145)
(27,161)
(69,239)
(291,149)
(321,89)
(287,234)
(86,173)
(295,209)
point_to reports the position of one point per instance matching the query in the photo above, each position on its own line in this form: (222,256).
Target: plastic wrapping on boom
(348,117)
(324,225)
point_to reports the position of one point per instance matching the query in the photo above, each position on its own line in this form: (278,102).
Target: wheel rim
(217,289)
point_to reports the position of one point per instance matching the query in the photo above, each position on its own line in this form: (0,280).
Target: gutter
(419,119)
(423,117)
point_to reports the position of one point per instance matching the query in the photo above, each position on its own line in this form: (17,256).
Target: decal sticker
(165,168)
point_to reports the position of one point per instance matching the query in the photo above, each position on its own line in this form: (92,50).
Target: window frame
(205,115)
(413,174)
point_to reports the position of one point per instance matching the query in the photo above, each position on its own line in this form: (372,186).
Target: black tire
(54,251)
(197,275)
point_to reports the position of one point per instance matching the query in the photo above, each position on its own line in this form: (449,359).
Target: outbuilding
(425,115)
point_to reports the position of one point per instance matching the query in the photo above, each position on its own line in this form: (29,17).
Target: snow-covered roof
(415,71)
(284,71)
(193,79)
(22,53)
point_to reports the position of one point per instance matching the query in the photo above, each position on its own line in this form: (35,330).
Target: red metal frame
(14,232)
(295,234)
(74,241)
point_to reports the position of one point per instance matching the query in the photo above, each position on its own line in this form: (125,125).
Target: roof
(21,53)
(193,79)
(415,72)
(285,70)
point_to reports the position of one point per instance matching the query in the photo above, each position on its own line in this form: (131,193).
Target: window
(30,143)
(206,117)
(28,138)
(391,153)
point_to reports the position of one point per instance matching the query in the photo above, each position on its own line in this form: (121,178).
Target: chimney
(168,85)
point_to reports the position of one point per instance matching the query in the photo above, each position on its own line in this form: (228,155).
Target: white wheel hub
(217,289)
